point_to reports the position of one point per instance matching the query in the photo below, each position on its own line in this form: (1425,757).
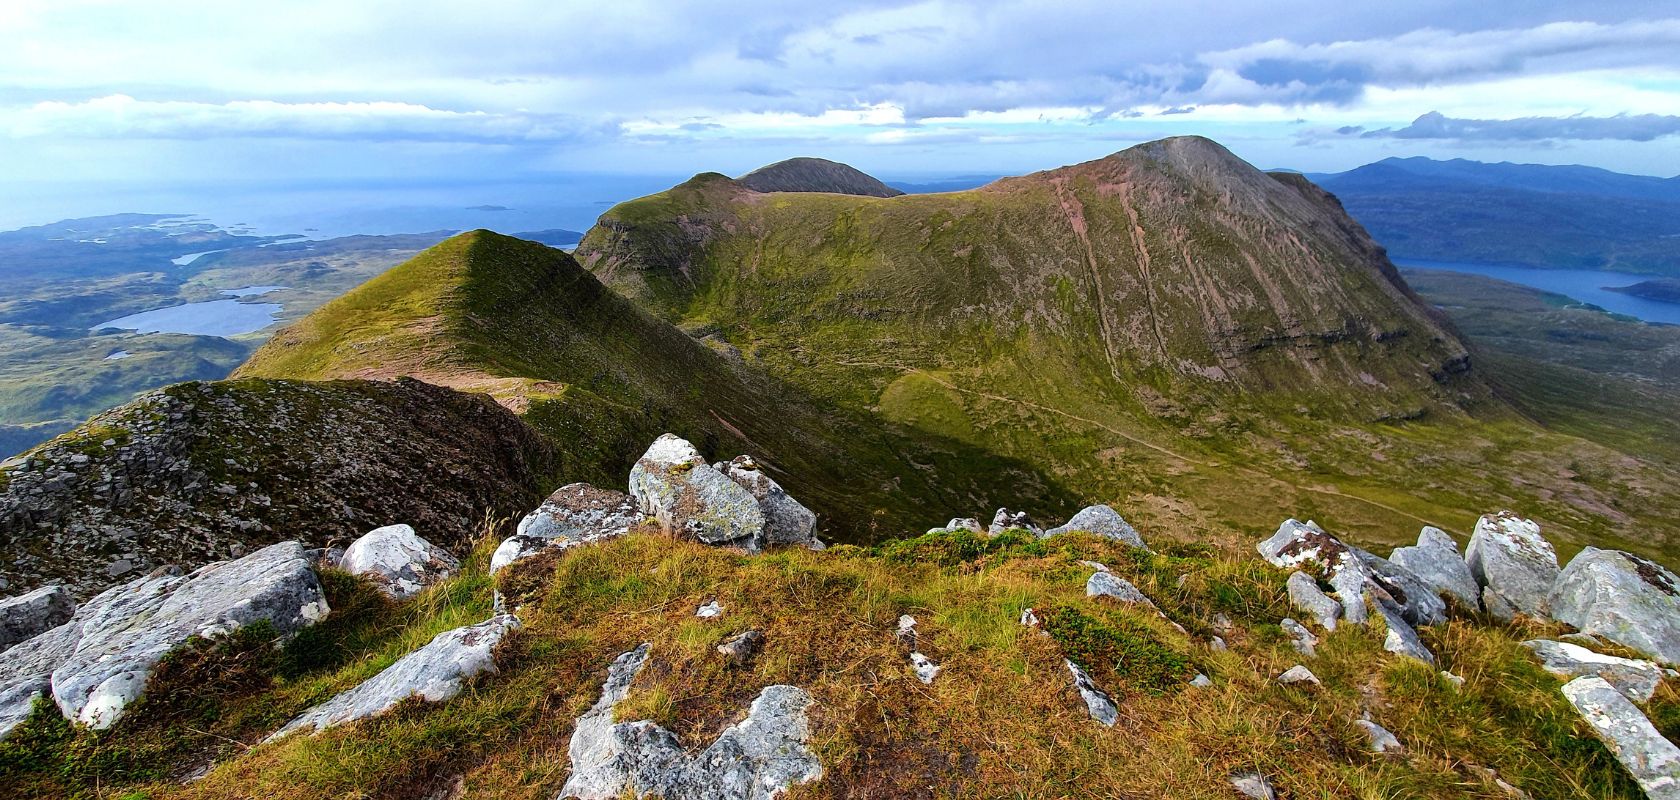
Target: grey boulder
(1300,638)
(969,524)
(1108,584)
(1381,739)
(99,661)
(1636,679)
(1436,561)
(1653,760)
(1512,563)
(1629,600)
(434,673)
(1305,595)
(33,613)
(1402,638)
(1253,785)
(574,514)
(398,561)
(1298,674)
(757,758)
(1102,521)
(692,499)
(1097,702)
(786,520)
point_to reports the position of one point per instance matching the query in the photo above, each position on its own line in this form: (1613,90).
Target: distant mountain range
(1569,217)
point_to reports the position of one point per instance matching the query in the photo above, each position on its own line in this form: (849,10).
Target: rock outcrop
(672,483)
(1629,600)
(434,673)
(1436,561)
(1353,573)
(1636,679)
(33,613)
(203,472)
(574,514)
(96,665)
(1005,520)
(398,561)
(1401,638)
(1107,584)
(786,520)
(1653,760)
(1514,566)
(757,758)
(1102,521)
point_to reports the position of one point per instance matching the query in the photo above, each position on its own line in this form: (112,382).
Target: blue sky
(99,94)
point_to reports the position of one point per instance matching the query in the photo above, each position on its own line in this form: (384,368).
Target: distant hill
(815,175)
(1665,290)
(1535,215)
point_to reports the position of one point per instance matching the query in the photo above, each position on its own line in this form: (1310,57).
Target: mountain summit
(815,175)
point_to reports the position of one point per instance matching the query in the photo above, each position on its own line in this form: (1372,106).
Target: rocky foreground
(712,693)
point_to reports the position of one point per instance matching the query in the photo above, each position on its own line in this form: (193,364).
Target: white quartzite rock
(1298,674)
(960,524)
(398,561)
(755,759)
(1402,638)
(1302,639)
(1382,739)
(1305,595)
(1624,598)
(1512,563)
(1097,702)
(1636,679)
(691,498)
(1108,584)
(1102,521)
(435,673)
(99,661)
(1435,559)
(1353,573)
(574,514)
(33,613)
(1253,785)
(786,520)
(1005,519)
(1653,761)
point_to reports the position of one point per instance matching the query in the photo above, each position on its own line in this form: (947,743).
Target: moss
(1115,650)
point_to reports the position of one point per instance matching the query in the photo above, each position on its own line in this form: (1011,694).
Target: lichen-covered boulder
(1512,563)
(574,514)
(1102,521)
(1636,679)
(692,499)
(1005,520)
(1305,595)
(1436,561)
(755,759)
(1653,760)
(786,520)
(434,673)
(1097,702)
(398,561)
(96,665)
(1629,600)
(33,613)
(1353,573)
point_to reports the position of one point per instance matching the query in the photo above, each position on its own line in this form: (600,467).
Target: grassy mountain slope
(1001,719)
(1167,329)
(602,378)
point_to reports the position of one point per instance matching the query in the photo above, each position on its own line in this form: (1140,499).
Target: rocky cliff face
(202,471)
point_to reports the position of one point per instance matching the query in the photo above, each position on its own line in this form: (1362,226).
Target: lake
(1585,285)
(212,318)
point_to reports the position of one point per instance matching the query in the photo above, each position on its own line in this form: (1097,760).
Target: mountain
(815,175)
(1529,214)
(1165,322)
(525,323)
(1666,290)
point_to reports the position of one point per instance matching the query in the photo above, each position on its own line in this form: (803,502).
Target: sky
(101,98)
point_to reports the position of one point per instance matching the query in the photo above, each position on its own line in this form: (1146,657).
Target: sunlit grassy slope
(1001,720)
